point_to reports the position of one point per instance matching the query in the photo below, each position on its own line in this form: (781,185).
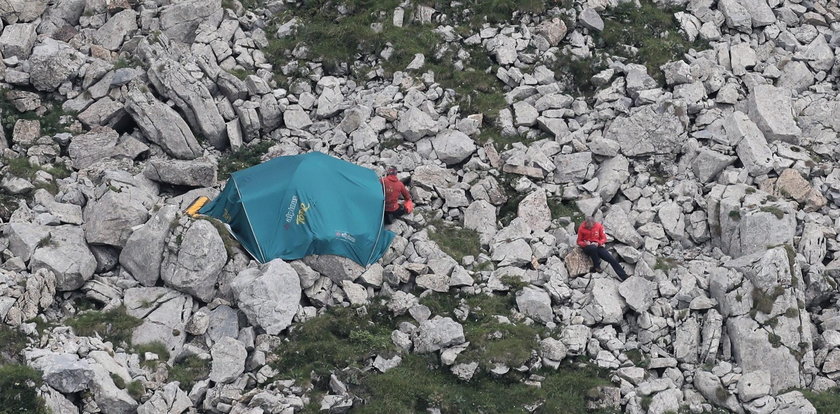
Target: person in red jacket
(394,189)
(591,237)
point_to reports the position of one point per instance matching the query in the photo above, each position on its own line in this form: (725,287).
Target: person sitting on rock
(591,237)
(394,189)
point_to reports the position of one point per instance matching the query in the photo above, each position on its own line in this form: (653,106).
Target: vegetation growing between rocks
(18,384)
(824,402)
(247,156)
(114,325)
(455,241)
(189,370)
(652,33)
(156,348)
(52,121)
(336,339)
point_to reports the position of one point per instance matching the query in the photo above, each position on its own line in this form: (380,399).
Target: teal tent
(295,206)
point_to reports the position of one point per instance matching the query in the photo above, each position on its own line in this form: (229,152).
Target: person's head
(589,222)
(391,170)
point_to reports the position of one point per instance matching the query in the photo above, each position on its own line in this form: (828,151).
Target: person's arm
(602,239)
(580,241)
(404,191)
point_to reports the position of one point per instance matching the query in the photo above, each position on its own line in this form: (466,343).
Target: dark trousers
(390,216)
(596,253)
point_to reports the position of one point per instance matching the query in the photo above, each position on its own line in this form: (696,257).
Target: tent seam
(248,219)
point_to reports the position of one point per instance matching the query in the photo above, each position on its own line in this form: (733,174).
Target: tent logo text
(290,212)
(301,215)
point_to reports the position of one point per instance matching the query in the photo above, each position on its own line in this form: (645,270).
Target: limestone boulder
(165,313)
(162,125)
(647,130)
(65,253)
(453,146)
(200,172)
(143,251)
(771,109)
(268,295)
(193,265)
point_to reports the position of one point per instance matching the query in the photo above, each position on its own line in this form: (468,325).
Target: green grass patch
(420,383)
(135,389)
(240,73)
(500,142)
(735,215)
(560,208)
(576,73)
(341,337)
(114,325)
(51,120)
(651,29)
(21,167)
(454,240)
(17,390)
(156,348)
(118,381)
(12,342)
(824,402)
(189,370)
(247,156)
(774,211)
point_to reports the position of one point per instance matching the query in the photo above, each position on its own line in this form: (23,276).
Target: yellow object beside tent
(196,205)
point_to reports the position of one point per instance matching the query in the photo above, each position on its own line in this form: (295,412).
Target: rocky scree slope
(714,173)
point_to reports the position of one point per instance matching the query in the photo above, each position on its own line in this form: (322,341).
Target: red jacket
(595,234)
(394,188)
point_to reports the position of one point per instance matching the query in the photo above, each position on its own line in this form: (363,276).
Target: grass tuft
(156,348)
(774,211)
(18,384)
(242,158)
(189,370)
(454,240)
(824,402)
(114,325)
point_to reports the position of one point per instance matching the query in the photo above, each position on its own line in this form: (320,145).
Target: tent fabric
(294,206)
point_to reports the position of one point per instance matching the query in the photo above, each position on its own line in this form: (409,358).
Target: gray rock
(605,306)
(533,209)
(747,223)
(143,251)
(108,397)
(710,387)
(503,49)
(753,385)
(708,164)
(165,313)
(794,403)
(18,40)
(173,81)
(194,266)
(109,219)
(162,125)
(436,334)
(111,34)
(590,19)
(514,253)
(760,13)
(617,224)
(200,172)
(271,114)
(228,360)
(646,131)
(673,221)
(354,118)
(66,254)
(52,63)
(754,352)
(795,76)
(453,146)
(687,340)
(611,175)
(752,147)
(65,372)
(364,138)
(553,30)
(337,268)
(330,102)
(737,16)
(818,54)
(105,111)
(572,168)
(13,11)
(638,293)
(667,401)
(415,124)
(771,109)
(179,21)
(524,114)
(535,303)
(24,238)
(296,118)
(169,400)
(552,350)
(268,295)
